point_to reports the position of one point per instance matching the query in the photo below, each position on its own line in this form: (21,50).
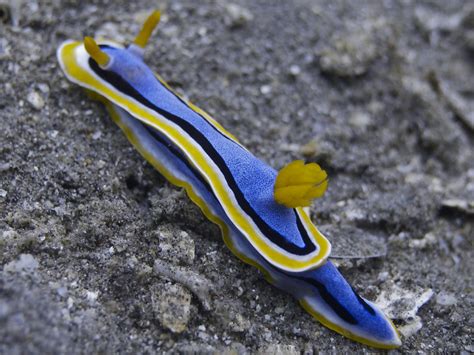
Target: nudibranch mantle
(260,212)
(242,183)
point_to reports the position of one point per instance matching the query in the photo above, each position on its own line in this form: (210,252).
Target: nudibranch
(260,211)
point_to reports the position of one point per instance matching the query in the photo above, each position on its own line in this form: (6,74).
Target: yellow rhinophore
(298,184)
(95,52)
(151,22)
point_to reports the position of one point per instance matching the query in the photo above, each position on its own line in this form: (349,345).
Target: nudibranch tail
(151,22)
(297,184)
(258,210)
(333,302)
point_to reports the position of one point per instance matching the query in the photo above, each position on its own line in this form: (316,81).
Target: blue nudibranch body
(259,210)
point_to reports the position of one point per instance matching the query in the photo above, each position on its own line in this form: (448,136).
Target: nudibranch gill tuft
(259,210)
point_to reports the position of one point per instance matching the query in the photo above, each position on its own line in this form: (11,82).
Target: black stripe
(120,84)
(183,102)
(363,303)
(332,301)
(340,310)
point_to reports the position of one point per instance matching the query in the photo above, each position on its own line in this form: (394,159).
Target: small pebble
(10,234)
(446,299)
(5,166)
(265,89)
(26,263)
(428,240)
(383,276)
(44,88)
(348,54)
(35,100)
(237,16)
(172,307)
(295,70)
(62,291)
(92,296)
(96,135)
(403,304)
(176,246)
(5,309)
(279,349)
(360,119)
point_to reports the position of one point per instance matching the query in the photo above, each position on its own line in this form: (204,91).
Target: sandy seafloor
(99,254)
